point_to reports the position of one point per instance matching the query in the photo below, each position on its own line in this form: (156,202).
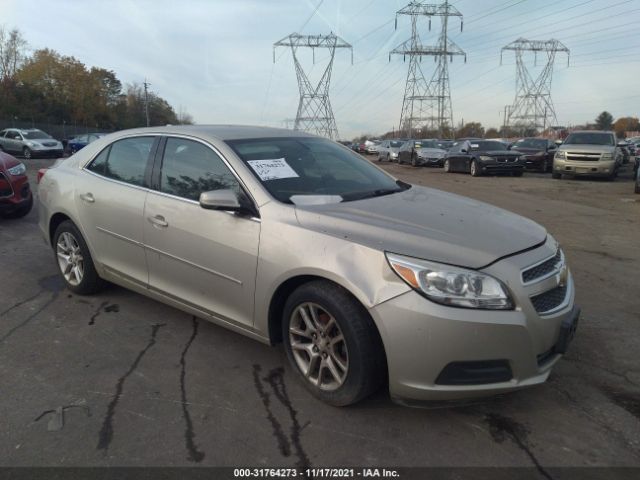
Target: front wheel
(556,176)
(26,153)
(474,169)
(447,166)
(544,168)
(414,160)
(74,260)
(332,344)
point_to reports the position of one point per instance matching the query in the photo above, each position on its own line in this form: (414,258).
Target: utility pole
(314,109)
(532,107)
(427,105)
(146,100)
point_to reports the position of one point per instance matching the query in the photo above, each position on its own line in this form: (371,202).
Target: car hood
(429,224)
(586,147)
(528,150)
(431,151)
(7,161)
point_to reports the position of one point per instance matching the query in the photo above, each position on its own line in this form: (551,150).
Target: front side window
(190,168)
(305,166)
(127,160)
(13,135)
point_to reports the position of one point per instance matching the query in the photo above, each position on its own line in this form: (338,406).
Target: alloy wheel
(447,167)
(26,153)
(318,346)
(70,259)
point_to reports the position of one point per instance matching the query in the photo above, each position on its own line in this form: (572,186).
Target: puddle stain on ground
(104,307)
(52,284)
(286,444)
(106,432)
(195,455)
(502,428)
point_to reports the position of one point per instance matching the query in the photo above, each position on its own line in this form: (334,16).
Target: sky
(214,58)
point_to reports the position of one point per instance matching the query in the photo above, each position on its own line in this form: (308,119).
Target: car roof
(220,132)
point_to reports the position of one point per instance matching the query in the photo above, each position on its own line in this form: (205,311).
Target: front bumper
(47,153)
(20,195)
(422,339)
(597,168)
(501,167)
(431,161)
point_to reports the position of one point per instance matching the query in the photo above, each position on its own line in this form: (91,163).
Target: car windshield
(34,134)
(395,144)
(429,144)
(485,146)
(295,167)
(531,143)
(590,138)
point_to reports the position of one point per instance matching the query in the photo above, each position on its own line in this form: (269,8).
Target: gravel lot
(139,383)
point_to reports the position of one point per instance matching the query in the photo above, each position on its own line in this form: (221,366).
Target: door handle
(87,197)
(158,221)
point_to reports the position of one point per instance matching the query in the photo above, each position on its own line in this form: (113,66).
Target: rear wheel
(332,344)
(474,169)
(74,260)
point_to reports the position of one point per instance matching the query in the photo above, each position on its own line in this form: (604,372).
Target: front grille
(544,269)
(506,159)
(583,156)
(49,144)
(549,300)
(5,187)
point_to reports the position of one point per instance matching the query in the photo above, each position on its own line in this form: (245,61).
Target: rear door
(205,259)
(110,200)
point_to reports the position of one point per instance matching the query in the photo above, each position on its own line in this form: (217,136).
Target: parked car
(16,199)
(388,150)
(29,143)
(537,153)
(287,237)
(371,147)
(625,150)
(588,152)
(637,175)
(359,147)
(479,157)
(421,152)
(81,141)
(445,144)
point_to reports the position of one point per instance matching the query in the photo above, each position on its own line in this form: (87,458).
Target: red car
(16,198)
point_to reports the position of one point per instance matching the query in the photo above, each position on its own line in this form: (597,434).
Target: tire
(68,240)
(518,174)
(26,153)
(447,166)
(414,160)
(556,176)
(357,359)
(21,211)
(388,158)
(474,170)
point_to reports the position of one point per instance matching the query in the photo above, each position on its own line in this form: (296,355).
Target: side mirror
(227,200)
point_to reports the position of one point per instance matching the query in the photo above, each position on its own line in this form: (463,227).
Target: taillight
(41,173)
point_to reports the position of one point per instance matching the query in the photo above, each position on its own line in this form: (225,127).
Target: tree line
(48,87)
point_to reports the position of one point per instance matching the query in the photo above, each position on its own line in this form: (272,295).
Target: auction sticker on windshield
(273,169)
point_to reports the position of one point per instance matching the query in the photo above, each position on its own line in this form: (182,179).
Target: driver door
(205,259)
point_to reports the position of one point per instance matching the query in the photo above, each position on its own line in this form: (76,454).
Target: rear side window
(190,168)
(124,160)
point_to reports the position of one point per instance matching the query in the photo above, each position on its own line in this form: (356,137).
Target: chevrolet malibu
(290,238)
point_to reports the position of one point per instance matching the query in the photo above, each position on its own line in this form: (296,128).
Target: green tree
(604,121)
(626,124)
(471,129)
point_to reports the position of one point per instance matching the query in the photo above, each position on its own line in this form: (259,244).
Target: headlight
(607,156)
(485,158)
(561,155)
(451,286)
(33,144)
(17,170)
(394,154)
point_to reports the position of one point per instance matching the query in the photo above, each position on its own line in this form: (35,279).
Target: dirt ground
(118,379)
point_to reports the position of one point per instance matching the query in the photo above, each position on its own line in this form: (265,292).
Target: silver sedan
(388,150)
(287,237)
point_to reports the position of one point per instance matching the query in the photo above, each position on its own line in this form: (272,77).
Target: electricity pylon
(314,109)
(427,105)
(532,109)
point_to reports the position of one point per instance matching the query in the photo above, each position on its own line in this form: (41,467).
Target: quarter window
(190,168)
(99,163)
